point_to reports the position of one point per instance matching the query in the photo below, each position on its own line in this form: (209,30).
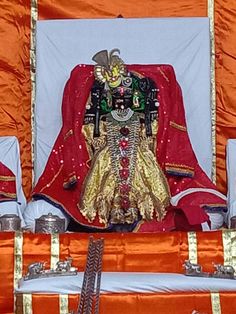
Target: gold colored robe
(149,195)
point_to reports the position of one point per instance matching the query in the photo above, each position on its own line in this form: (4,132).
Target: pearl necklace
(122,115)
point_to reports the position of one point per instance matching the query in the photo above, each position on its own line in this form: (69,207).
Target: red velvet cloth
(68,159)
(7,184)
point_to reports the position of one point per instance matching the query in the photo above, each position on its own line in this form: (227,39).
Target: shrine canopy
(182,42)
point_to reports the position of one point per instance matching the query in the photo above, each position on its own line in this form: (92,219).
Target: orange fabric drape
(6,273)
(15,107)
(225,34)
(130,252)
(145,303)
(162,252)
(108,9)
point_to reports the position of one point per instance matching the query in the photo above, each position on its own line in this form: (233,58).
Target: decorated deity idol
(123,160)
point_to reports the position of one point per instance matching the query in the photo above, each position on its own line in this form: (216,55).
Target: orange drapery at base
(15,86)
(122,252)
(169,303)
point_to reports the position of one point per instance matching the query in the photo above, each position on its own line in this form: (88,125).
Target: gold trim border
(18,258)
(7,178)
(192,247)
(215,303)
(229,246)
(211,9)
(33,20)
(55,249)
(27,303)
(64,303)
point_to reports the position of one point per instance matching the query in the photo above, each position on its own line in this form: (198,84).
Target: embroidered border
(211,12)
(68,134)
(27,303)
(178,126)
(34,17)
(229,246)
(192,247)
(215,303)
(179,166)
(10,195)
(163,74)
(64,302)
(18,246)
(7,178)
(54,178)
(55,249)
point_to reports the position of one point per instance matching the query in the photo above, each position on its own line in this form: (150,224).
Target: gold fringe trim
(27,303)
(163,74)
(18,256)
(178,126)
(7,178)
(179,166)
(215,303)
(192,247)
(139,75)
(53,179)
(55,249)
(10,195)
(211,12)
(69,133)
(64,303)
(34,17)
(229,246)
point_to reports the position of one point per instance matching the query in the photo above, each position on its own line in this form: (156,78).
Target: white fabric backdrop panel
(231,177)
(128,283)
(10,156)
(181,42)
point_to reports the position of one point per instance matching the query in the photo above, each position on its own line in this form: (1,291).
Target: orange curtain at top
(15,85)
(63,9)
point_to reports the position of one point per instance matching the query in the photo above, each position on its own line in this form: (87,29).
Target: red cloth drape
(69,155)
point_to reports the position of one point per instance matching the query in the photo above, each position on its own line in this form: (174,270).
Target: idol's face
(122,98)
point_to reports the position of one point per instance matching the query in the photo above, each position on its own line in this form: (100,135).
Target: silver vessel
(10,222)
(49,224)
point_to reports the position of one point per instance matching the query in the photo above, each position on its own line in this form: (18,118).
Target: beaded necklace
(122,115)
(122,139)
